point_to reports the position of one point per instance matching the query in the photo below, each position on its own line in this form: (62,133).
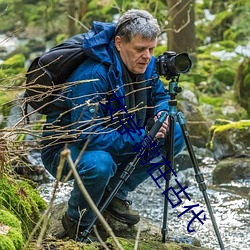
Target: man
(123,82)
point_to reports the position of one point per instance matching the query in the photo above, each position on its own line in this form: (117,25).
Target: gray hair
(137,22)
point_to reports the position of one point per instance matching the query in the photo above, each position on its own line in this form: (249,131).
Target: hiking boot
(121,211)
(75,231)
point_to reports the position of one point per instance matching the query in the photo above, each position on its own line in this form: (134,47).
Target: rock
(188,95)
(228,110)
(197,125)
(232,139)
(231,169)
(150,235)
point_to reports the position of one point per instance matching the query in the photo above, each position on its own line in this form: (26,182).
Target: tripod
(173,90)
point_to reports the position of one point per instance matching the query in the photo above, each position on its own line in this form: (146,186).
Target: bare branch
(66,154)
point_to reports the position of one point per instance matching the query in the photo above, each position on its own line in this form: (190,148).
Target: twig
(45,217)
(99,238)
(137,236)
(77,21)
(66,154)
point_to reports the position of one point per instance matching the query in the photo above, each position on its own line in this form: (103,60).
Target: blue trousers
(100,170)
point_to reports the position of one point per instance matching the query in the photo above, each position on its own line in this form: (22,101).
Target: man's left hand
(164,128)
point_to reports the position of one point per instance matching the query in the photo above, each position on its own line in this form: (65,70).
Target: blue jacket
(86,118)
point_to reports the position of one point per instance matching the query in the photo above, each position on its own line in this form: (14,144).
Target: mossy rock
(11,237)
(22,200)
(232,139)
(197,125)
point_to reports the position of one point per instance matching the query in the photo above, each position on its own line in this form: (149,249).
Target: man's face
(137,53)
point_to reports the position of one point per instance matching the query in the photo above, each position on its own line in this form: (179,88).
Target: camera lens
(182,63)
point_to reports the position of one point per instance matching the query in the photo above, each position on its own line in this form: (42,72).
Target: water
(230,203)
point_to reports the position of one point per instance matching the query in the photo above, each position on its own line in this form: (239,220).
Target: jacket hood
(98,43)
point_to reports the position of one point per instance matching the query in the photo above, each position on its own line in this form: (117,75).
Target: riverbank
(229,202)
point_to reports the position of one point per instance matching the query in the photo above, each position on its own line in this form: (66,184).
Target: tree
(181,27)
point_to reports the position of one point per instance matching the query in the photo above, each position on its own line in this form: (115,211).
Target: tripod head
(174,89)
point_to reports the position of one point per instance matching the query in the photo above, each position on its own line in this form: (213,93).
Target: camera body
(171,65)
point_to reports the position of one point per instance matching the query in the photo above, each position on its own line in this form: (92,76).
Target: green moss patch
(10,231)
(22,200)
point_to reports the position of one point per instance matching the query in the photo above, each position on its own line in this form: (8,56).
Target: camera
(171,65)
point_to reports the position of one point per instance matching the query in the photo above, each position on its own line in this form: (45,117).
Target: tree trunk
(83,7)
(71,6)
(181,27)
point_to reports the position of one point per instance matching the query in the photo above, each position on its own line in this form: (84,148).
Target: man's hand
(164,128)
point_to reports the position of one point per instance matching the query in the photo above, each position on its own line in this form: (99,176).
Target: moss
(214,101)
(235,125)
(21,199)
(16,237)
(16,61)
(9,219)
(6,243)
(229,45)
(13,71)
(128,244)
(13,239)
(174,246)
(225,75)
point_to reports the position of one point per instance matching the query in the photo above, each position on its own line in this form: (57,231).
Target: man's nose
(146,54)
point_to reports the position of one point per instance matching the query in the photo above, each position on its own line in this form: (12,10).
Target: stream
(230,203)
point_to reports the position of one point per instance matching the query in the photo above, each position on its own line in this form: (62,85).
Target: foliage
(12,69)
(224,75)
(221,106)
(227,21)
(242,84)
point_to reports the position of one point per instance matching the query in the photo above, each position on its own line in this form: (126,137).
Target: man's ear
(118,42)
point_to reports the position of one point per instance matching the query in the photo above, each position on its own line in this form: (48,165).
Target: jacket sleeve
(89,121)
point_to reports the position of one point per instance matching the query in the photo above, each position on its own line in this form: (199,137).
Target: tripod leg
(199,176)
(169,158)
(126,174)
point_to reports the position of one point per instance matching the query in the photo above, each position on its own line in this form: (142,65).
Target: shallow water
(230,204)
